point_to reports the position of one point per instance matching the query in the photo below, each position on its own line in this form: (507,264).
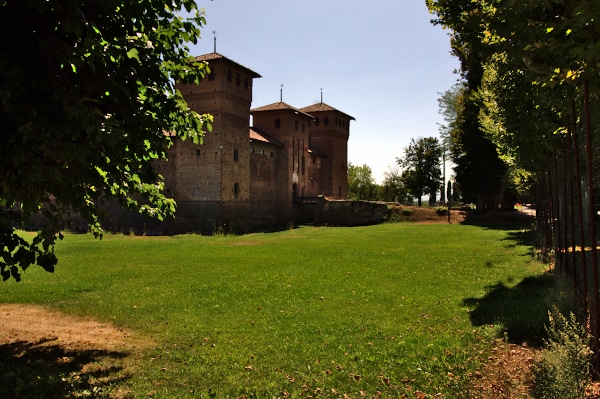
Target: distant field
(313,312)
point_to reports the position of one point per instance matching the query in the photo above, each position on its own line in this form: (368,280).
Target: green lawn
(380,310)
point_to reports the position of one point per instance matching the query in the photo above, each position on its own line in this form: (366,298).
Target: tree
(449,105)
(361,185)
(421,164)
(392,189)
(87,103)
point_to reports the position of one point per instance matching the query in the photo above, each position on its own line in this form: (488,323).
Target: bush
(407,211)
(562,369)
(441,211)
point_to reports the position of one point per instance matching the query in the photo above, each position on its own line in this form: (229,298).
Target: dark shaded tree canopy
(87,92)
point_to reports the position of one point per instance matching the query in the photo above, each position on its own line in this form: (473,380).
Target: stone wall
(349,213)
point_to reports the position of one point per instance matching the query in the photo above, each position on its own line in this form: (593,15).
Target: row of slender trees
(522,117)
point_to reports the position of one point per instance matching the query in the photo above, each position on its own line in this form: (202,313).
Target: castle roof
(280,106)
(321,107)
(216,56)
(258,135)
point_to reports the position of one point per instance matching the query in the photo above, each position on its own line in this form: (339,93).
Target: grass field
(370,311)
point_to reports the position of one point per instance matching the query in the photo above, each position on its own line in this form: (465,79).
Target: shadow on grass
(44,369)
(499,220)
(522,310)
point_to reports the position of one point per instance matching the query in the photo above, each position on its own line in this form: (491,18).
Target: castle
(243,177)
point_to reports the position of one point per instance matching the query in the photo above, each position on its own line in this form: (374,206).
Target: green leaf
(133,53)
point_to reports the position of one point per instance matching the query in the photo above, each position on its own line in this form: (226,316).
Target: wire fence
(568,206)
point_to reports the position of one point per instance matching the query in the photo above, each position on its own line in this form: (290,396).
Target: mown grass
(371,311)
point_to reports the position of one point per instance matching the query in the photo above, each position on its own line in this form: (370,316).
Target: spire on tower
(214,41)
(281,93)
(321,95)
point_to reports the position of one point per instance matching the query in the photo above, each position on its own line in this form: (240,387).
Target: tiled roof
(280,106)
(216,56)
(320,107)
(257,135)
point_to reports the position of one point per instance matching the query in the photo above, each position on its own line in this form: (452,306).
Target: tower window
(326,120)
(235,155)
(277,123)
(317,121)
(229,75)
(236,188)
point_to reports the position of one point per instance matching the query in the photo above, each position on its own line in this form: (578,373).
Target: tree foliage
(450,107)
(361,184)
(87,92)
(392,189)
(524,62)
(421,166)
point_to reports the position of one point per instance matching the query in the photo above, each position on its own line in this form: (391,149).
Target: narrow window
(317,121)
(326,120)
(236,188)
(229,75)
(277,123)
(235,155)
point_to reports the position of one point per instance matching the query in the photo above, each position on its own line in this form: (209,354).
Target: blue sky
(380,61)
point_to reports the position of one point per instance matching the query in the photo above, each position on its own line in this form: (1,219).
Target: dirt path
(55,355)
(36,323)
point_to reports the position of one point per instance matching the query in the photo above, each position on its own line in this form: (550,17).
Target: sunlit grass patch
(382,310)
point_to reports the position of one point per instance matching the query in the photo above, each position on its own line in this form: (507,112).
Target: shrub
(441,211)
(407,211)
(562,369)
